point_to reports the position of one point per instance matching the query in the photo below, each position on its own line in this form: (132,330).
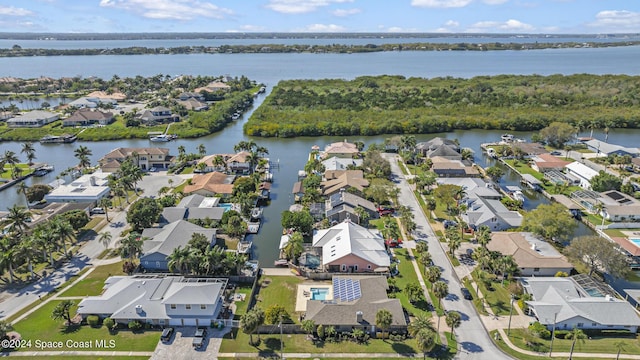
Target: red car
(392,243)
(386,211)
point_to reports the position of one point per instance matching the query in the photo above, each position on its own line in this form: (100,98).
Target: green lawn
(40,326)
(241,306)
(237,341)
(279,290)
(8,170)
(67,357)
(595,344)
(94,282)
(498,297)
(516,355)
(406,276)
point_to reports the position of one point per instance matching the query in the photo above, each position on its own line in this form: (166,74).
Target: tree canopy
(605,182)
(143,213)
(557,134)
(599,254)
(550,221)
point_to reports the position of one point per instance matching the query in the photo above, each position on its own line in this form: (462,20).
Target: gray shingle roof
(178,233)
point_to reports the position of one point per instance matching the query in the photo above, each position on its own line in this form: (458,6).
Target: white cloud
(169,9)
(494,2)
(441,3)
(301,6)
(252,28)
(346,12)
(452,23)
(324,28)
(14,11)
(496,26)
(617,21)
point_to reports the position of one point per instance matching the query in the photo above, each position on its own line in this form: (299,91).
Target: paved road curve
(473,339)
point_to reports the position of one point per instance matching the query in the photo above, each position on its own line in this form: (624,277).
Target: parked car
(386,211)
(466,293)
(97,210)
(201,332)
(449,223)
(167,333)
(198,340)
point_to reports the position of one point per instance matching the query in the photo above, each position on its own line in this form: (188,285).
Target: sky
(388,16)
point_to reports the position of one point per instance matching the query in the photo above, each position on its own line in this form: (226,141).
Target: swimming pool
(636,242)
(226,207)
(319,293)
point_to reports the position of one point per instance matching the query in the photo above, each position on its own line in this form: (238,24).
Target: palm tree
(250,321)
(7,255)
(62,230)
(105,239)
(440,290)
(422,246)
(384,319)
(182,259)
(17,219)
(131,245)
(202,150)
(219,163)
(26,250)
(425,259)
(620,345)
(212,259)
(22,188)
(294,247)
(105,203)
(575,335)
(453,319)
(181,152)
(29,151)
(420,322)
(483,235)
(453,240)
(83,153)
(363,215)
(433,273)
(426,340)
(10,158)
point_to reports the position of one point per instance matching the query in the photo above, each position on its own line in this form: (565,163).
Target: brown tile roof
(215,182)
(342,147)
(516,245)
(342,179)
(240,157)
(89,114)
(118,96)
(121,153)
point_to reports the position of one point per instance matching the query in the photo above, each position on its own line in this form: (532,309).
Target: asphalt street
(473,339)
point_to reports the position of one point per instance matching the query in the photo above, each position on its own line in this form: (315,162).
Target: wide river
(270,68)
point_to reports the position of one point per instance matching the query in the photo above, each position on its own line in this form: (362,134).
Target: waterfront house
(87,117)
(162,241)
(356,301)
(529,149)
(581,173)
(444,167)
(618,206)
(211,184)
(343,205)
(194,104)
(535,257)
(238,163)
(158,115)
(342,149)
(117,96)
(85,189)
(605,149)
(349,247)
(193,207)
(91,102)
(158,300)
(190,95)
(213,86)
(444,148)
(490,212)
(546,162)
(584,304)
(343,179)
(338,163)
(145,158)
(33,119)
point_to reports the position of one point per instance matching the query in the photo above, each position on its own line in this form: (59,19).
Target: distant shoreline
(18,51)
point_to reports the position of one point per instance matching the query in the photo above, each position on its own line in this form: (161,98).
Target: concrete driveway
(154,181)
(180,347)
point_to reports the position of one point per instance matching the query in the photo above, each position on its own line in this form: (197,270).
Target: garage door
(189,322)
(204,322)
(175,322)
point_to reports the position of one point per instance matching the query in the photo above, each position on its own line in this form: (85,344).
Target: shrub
(515,288)
(560,334)
(539,330)
(93,320)
(275,313)
(109,323)
(134,325)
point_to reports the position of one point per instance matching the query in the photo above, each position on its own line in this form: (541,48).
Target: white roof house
(564,300)
(158,300)
(601,147)
(87,188)
(351,247)
(581,172)
(337,163)
(33,119)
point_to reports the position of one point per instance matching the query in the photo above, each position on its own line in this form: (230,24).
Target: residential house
(581,173)
(349,247)
(210,163)
(444,167)
(193,207)
(547,162)
(190,95)
(86,117)
(619,207)
(342,149)
(211,184)
(117,96)
(563,303)
(91,102)
(238,163)
(145,158)
(444,148)
(535,257)
(158,115)
(158,300)
(490,212)
(342,206)
(194,104)
(33,119)
(213,86)
(528,149)
(85,189)
(338,163)
(162,241)
(356,301)
(343,179)
(606,149)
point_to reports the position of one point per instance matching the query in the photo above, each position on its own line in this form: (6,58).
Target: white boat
(492,153)
(507,137)
(516,193)
(162,138)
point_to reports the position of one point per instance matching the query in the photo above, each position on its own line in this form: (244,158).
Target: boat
(507,137)
(515,193)
(281,262)
(43,170)
(62,139)
(256,213)
(163,138)
(492,153)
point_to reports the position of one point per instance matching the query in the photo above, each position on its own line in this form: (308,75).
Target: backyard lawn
(94,282)
(241,306)
(408,275)
(498,297)
(40,326)
(280,290)
(595,344)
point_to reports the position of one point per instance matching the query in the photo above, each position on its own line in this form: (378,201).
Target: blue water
(636,242)
(319,293)
(226,207)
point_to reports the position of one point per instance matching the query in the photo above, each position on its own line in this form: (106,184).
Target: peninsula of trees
(398,105)
(18,51)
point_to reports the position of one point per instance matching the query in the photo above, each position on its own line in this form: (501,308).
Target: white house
(601,147)
(33,119)
(158,300)
(581,172)
(565,303)
(87,188)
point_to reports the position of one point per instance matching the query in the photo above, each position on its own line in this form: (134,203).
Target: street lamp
(553,330)
(510,314)
(281,345)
